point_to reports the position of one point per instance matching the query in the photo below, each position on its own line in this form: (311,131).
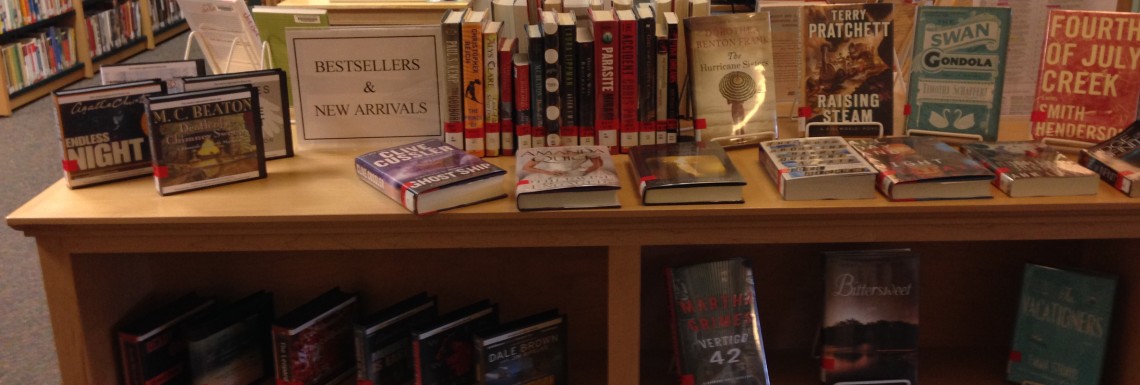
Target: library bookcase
(109,252)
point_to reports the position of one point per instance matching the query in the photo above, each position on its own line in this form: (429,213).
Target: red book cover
(507,48)
(606,53)
(473,95)
(1089,83)
(523,119)
(627,79)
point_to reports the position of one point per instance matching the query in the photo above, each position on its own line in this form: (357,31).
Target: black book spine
(362,362)
(672,98)
(132,362)
(537,92)
(587,132)
(567,84)
(552,71)
(647,79)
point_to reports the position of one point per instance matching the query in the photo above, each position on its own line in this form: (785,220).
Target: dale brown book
(383,342)
(628,86)
(523,102)
(430,176)
(716,324)
(231,345)
(529,350)
(101,130)
(551,80)
(1026,168)
(817,168)
(870,318)
(204,139)
(646,75)
(685,173)
(451,25)
(508,47)
(492,122)
(1088,87)
(848,84)
(1117,160)
(273,99)
(152,348)
(567,63)
(312,344)
(606,54)
(567,177)
(1064,319)
(474,98)
(923,168)
(444,351)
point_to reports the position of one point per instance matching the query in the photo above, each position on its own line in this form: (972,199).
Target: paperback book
(716,324)
(205,138)
(531,350)
(444,351)
(1117,160)
(923,168)
(101,130)
(817,168)
(688,172)
(170,72)
(312,344)
(430,176)
(570,177)
(272,98)
(231,346)
(383,343)
(152,348)
(1032,169)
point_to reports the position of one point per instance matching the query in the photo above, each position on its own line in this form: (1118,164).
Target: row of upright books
(164,13)
(37,56)
(18,13)
(113,28)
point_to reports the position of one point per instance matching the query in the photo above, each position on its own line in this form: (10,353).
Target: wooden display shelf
(38,90)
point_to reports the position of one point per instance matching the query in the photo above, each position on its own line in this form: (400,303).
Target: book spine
(672,97)
(492,122)
(473,78)
(522,106)
(587,134)
(387,184)
(677,353)
(552,70)
(647,80)
(506,101)
(537,93)
(1106,172)
(567,85)
(662,87)
(281,356)
(627,84)
(132,361)
(605,84)
(417,362)
(453,126)
(363,364)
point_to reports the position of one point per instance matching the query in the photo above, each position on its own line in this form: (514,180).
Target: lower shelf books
(569,177)
(430,176)
(924,168)
(312,344)
(443,351)
(531,350)
(231,346)
(686,173)
(1117,160)
(383,343)
(1025,169)
(817,168)
(153,351)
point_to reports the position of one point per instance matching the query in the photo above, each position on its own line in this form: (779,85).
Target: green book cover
(271,24)
(956,81)
(1062,327)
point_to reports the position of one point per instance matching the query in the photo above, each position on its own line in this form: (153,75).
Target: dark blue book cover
(384,345)
(531,350)
(444,352)
(404,173)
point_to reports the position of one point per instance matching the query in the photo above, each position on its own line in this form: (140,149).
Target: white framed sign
(367,86)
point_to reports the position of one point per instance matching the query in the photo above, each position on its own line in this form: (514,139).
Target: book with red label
(1027,168)
(492,123)
(474,134)
(523,102)
(551,56)
(646,75)
(153,352)
(923,168)
(606,54)
(1089,84)
(443,351)
(508,47)
(716,324)
(628,87)
(313,344)
(686,173)
(537,85)
(1117,160)
(568,61)
(587,130)
(453,78)
(430,176)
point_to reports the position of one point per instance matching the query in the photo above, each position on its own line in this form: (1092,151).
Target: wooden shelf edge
(44,88)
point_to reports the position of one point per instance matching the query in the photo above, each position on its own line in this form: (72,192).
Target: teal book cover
(959,66)
(1062,327)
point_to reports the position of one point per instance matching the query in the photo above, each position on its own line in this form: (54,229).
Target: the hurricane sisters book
(205,138)
(1089,84)
(958,70)
(733,78)
(848,85)
(716,325)
(1062,327)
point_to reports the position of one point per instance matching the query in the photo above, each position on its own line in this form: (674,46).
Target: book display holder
(265,50)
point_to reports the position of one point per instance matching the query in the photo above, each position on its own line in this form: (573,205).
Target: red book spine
(281,356)
(522,100)
(473,128)
(627,82)
(417,363)
(506,96)
(606,52)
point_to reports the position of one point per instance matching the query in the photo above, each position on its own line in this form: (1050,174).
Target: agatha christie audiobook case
(958,71)
(531,350)
(716,324)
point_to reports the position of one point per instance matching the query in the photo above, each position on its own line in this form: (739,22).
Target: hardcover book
(430,176)
(451,25)
(1063,321)
(687,172)
(205,138)
(567,63)
(716,324)
(1032,169)
(569,177)
(271,22)
(444,351)
(170,72)
(730,62)
(101,130)
(870,318)
(312,344)
(956,84)
(383,343)
(523,101)
(537,85)
(152,348)
(531,350)
(474,98)
(848,84)
(923,168)
(817,168)
(551,76)
(584,45)
(627,79)
(272,97)
(646,75)
(508,47)
(1089,85)
(492,122)
(231,346)
(672,90)
(606,54)
(1117,160)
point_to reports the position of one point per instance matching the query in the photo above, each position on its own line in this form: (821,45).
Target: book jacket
(1013,161)
(272,97)
(383,343)
(570,167)
(789,160)
(444,352)
(1117,160)
(848,85)
(913,159)
(153,350)
(682,164)
(870,318)
(733,78)
(1062,326)
(531,350)
(958,71)
(313,343)
(716,325)
(206,138)
(232,345)
(404,172)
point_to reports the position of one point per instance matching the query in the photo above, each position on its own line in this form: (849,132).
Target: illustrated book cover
(205,138)
(716,324)
(922,168)
(383,341)
(231,345)
(272,97)
(567,177)
(170,72)
(817,168)
(1028,168)
(152,349)
(848,82)
(870,318)
(312,344)
(430,176)
(733,79)
(101,131)
(1062,329)
(444,351)
(958,70)
(688,172)
(1117,160)
(530,350)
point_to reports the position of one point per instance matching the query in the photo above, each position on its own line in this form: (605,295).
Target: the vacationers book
(383,341)
(817,168)
(688,172)
(1033,169)
(716,324)
(312,344)
(1117,160)
(870,318)
(152,348)
(444,350)
(921,168)
(430,176)
(567,177)
(530,350)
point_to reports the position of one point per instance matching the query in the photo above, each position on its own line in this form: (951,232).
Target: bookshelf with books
(356,12)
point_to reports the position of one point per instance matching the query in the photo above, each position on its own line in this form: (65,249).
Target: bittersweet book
(430,176)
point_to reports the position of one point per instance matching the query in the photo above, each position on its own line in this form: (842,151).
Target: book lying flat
(686,173)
